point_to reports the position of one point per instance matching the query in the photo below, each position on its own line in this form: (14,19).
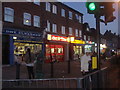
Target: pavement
(60,70)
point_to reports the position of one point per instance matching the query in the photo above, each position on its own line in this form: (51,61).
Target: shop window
(9,14)
(63,29)
(22,47)
(77,52)
(70,15)
(37,2)
(63,12)
(36,21)
(54,53)
(54,9)
(27,19)
(48,6)
(54,28)
(70,31)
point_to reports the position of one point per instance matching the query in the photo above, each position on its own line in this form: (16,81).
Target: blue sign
(21,32)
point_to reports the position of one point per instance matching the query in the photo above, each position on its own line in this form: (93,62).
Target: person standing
(17,63)
(85,63)
(29,60)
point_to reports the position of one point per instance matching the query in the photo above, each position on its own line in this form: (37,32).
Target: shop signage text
(28,33)
(57,38)
(78,41)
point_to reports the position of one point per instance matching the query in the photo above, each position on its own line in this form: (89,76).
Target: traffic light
(109,17)
(92,7)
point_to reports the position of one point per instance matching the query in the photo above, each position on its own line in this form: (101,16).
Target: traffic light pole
(98,39)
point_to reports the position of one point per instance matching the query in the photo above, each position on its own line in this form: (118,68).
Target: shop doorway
(54,53)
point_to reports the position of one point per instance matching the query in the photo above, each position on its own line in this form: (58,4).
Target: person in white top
(85,62)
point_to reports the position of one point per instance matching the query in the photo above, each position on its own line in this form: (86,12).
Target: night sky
(80,6)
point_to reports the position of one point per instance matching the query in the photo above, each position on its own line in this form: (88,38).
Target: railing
(97,79)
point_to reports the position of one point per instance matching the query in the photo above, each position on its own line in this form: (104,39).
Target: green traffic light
(92,6)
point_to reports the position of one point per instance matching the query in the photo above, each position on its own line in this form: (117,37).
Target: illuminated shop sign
(59,38)
(78,41)
(90,42)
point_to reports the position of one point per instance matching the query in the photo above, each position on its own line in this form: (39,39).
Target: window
(79,19)
(9,14)
(37,2)
(36,21)
(84,37)
(70,31)
(63,12)
(48,26)
(76,17)
(80,33)
(63,29)
(54,28)
(88,29)
(54,9)
(70,15)
(76,32)
(27,19)
(88,38)
(48,6)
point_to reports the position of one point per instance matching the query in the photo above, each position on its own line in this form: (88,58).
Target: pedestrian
(85,63)
(18,62)
(29,60)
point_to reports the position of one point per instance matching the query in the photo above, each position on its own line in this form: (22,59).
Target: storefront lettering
(21,32)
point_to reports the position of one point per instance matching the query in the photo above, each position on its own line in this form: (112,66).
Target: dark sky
(80,6)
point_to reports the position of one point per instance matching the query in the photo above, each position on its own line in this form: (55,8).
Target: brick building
(41,26)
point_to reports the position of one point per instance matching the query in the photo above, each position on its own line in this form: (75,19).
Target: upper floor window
(27,19)
(63,12)
(63,29)
(80,33)
(89,38)
(54,28)
(85,37)
(70,31)
(76,32)
(70,15)
(76,17)
(48,6)
(80,19)
(37,2)
(54,9)
(36,21)
(48,26)
(87,29)
(9,14)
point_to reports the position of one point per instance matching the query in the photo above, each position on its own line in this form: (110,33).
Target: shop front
(89,46)
(20,40)
(78,48)
(56,48)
